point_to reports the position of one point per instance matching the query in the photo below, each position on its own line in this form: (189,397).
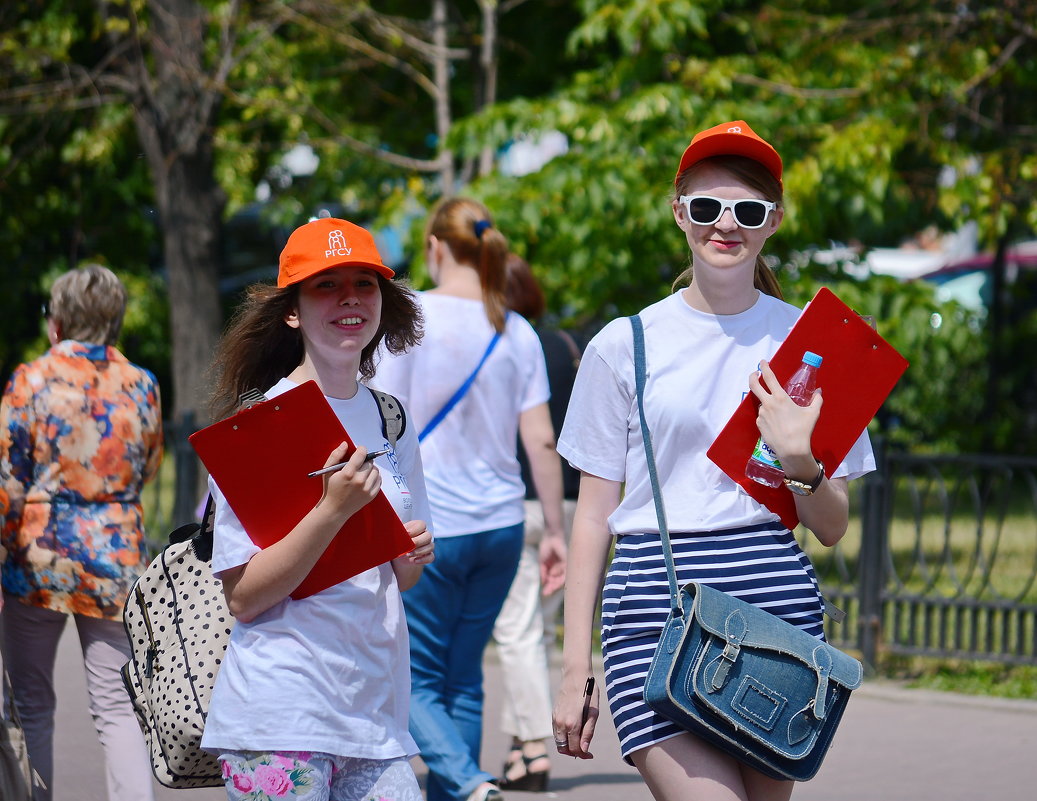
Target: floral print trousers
(294,775)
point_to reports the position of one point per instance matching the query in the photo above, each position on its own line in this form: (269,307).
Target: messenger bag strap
(653,474)
(462,390)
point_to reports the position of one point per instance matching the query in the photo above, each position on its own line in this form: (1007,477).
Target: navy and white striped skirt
(761,564)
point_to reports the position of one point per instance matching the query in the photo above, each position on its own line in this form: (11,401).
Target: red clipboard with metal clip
(260,458)
(859,371)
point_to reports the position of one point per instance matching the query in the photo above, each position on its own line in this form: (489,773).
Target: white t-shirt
(698,372)
(471,462)
(330,672)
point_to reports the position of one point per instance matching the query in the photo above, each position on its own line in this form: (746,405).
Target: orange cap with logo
(734,138)
(325,243)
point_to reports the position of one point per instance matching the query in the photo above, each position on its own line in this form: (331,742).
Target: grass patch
(964,676)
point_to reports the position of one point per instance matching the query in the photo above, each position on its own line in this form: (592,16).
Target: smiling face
(724,244)
(338,312)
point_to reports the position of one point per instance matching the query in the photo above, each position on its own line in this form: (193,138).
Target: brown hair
(258,348)
(466,226)
(521,288)
(88,304)
(753,174)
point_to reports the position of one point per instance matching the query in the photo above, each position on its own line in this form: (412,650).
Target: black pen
(332,468)
(588,691)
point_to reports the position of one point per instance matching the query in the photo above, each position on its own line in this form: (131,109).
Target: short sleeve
(232,546)
(537,390)
(594,434)
(858,461)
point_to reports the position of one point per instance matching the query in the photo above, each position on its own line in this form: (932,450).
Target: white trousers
(31,636)
(525,634)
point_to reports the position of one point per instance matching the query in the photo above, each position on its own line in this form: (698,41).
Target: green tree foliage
(889,119)
(71,184)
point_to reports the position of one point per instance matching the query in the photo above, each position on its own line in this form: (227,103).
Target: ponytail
(493,277)
(466,226)
(765,280)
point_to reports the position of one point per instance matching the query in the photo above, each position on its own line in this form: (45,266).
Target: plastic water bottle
(763,466)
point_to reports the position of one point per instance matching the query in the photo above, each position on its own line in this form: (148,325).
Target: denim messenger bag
(746,681)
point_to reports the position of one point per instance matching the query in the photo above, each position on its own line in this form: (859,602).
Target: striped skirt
(761,564)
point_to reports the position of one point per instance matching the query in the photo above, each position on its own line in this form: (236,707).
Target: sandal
(532,781)
(514,757)
(485,792)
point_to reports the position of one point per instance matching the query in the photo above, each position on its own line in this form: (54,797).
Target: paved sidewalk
(894,745)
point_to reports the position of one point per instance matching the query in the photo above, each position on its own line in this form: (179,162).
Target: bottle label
(763,453)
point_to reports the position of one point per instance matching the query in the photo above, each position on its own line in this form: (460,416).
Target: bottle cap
(812,359)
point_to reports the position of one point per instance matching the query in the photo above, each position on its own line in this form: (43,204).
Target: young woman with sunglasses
(707,345)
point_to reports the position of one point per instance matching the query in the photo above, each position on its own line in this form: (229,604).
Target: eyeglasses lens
(45,309)
(704,210)
(750,214)
(707,210)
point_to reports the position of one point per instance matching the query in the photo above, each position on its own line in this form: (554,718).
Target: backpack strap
(394,419)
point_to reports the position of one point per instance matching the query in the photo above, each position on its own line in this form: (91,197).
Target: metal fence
(940,559)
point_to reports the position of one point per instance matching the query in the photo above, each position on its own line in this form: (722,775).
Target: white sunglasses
(707,210)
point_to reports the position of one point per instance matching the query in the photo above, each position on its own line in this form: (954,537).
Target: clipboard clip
(868,318)
(251,398)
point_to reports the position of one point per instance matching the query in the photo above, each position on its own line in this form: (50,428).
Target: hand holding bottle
(786,419)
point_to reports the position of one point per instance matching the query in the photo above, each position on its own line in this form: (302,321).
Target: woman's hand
(575,716)
(408,568)
(552,564)
(787,428)
(348,490)
(424,548)
(785,425)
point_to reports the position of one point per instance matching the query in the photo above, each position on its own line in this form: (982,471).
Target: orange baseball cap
(731,139)
(325,243)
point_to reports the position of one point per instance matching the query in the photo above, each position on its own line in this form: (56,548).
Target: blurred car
(971,281)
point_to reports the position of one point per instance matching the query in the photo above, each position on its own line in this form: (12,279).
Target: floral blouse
(80,434)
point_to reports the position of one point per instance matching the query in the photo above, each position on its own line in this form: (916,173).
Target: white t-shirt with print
(471,463)
(698,368)
(330,672)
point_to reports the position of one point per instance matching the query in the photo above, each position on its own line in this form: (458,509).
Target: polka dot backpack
(179,625)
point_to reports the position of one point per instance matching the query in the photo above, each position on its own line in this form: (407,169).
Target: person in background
(311,698)
(80,435)
(475,385)
(525,629)
(706,346)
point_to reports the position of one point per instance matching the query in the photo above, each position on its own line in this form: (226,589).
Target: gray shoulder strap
(394,420)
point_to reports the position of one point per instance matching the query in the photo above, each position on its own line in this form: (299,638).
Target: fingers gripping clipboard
(858,372)
(260,458)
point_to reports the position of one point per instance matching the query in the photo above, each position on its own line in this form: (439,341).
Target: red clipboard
(259,458)
(858,372)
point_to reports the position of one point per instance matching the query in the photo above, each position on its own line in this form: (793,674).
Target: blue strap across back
(653,474)
(462,390)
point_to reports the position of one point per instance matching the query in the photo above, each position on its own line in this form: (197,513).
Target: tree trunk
(175,112)
(191,211)
(488,65)
(441,78)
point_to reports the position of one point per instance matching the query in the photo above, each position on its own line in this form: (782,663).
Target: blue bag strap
(462,390)
(653,474)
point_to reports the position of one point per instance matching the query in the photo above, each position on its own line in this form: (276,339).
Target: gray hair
(88,304)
